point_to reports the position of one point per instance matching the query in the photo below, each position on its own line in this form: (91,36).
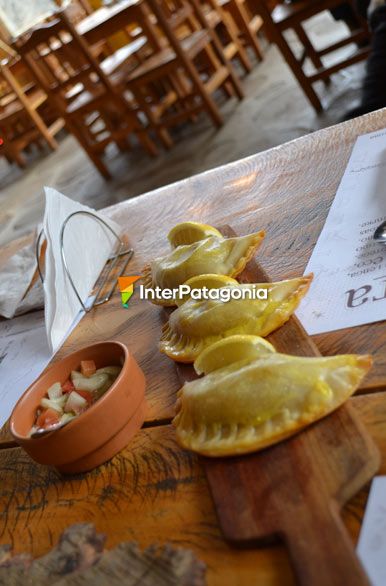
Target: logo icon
(126,286)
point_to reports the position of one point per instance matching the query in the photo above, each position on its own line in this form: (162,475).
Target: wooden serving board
(294,491)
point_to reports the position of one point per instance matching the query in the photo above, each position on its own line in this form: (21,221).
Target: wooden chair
(178,81)
(284,17)
(223,23)
(249,23)
(21,117)
(94,112)
(76,11)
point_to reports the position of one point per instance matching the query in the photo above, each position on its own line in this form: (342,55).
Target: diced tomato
(68,386)
(86,395)
(47,418)
(87,367)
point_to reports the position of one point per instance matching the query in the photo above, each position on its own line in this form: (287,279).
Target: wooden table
(106,21)
(155,491)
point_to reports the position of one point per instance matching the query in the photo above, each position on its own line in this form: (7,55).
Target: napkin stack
(87,245)
(20,287)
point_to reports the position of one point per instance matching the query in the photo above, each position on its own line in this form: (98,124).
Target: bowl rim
(25,438)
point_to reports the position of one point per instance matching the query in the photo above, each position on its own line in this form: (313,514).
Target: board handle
(323,553)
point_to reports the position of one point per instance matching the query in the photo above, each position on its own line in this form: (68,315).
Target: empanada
(253,403)
(196,324)
(189,232)
(213,254)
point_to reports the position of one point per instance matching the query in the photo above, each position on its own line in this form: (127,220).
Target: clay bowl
(102,430)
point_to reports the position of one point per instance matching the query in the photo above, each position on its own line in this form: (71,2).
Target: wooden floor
(274,111)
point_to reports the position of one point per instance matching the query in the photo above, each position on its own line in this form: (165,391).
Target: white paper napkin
(88,244)
(15,279)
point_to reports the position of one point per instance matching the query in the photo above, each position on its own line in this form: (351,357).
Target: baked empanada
(196,324)
(254,403)
(189,232)
(212,254)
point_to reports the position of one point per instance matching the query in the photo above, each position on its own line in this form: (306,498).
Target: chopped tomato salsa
(68,386)
(47,418)
(65,401)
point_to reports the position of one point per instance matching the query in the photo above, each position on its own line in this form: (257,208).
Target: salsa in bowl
(101,428)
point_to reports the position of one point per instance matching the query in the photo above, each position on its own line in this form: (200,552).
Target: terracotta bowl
(102,430)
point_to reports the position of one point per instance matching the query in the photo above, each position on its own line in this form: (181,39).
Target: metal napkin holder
(121,251)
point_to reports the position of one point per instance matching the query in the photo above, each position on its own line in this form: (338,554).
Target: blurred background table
(108,20)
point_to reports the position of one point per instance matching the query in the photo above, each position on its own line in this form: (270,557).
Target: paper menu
(372,540)
(349,267)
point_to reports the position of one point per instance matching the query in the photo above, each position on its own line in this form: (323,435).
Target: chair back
(61,60)
(180,16)
(77,11)
(6,92)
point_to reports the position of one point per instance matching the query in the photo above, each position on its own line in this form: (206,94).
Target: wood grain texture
(295,489)
(286,190)
(152,491)
(79,558)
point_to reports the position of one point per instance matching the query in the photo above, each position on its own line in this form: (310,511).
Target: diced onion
(75,403)
(56,404)
(68,405)
(92,383)
(55,391)
(110,370)
(66,417)
(101,391)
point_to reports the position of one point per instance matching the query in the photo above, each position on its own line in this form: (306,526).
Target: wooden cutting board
(294,491)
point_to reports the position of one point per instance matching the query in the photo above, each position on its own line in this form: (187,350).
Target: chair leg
(98,164)
(312,53)
(243,58)
(142,133)
(19,159)
(123,144)
(209,103)
(299,74)
(147,142)
(220,58)
(165,137)
(211,108)
(181,87)
(94,158)
(243,20)
(31,112)
(235,82)
(232,30)
(228,90)
(278,38)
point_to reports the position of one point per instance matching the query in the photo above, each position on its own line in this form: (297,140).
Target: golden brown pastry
(196,324)
(254,402)
(206,252)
